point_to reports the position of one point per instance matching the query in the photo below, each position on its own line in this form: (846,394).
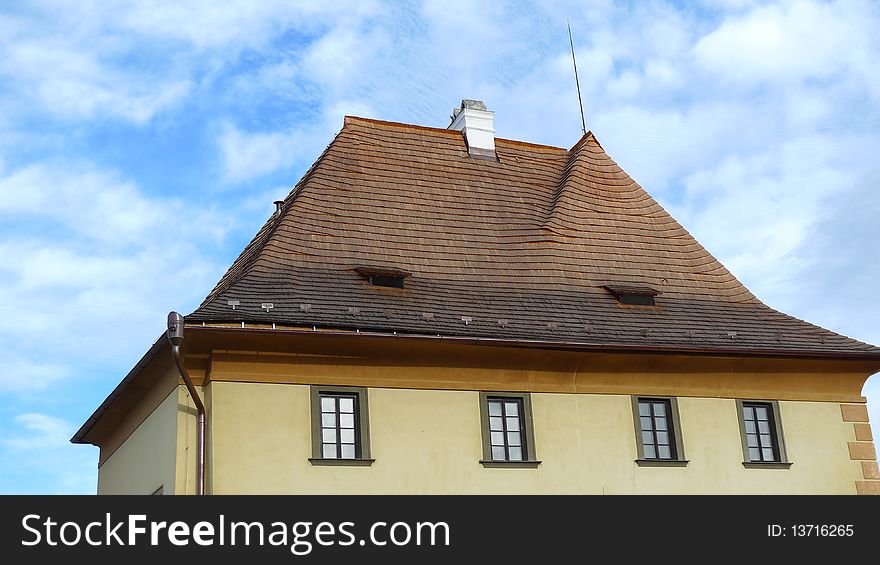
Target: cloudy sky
(142,146)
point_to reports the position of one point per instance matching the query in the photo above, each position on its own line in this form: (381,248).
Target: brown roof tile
(524,246)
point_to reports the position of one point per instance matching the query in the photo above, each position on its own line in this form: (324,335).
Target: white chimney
(478,126)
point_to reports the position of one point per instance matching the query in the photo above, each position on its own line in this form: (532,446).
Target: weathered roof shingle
(520,248)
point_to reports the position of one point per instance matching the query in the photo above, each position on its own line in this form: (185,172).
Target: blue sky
(142,144)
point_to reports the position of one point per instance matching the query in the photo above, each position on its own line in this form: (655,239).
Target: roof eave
(80,435)
(870,355)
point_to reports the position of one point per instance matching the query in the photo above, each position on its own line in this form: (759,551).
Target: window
(338,413)
(508,436)
(340,426)
(761,432)
(656,427)
(658,431)
(505,429)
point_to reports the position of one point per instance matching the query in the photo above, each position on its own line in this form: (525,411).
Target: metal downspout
(175,337)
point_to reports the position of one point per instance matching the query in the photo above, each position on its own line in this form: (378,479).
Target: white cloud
(791,41)
(662,73)
(335,113)
(754,212)
(19,374)
(625,86)
(250,155)
(78,63)
(95,305)
(339,58)
(95,204)
(39,444)
(41,431)
(730,4)
(657,145)
(247,156)
(74,97)
(235,24)
(72,81)
(94,264)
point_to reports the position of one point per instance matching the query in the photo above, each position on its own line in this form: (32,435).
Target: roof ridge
(402,125)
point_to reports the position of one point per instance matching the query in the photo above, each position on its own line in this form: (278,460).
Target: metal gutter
(559,345)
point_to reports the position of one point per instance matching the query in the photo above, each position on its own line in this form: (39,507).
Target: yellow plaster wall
(185,474)
(148,458)
(428,441)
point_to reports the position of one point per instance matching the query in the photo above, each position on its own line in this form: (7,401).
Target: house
(440,311)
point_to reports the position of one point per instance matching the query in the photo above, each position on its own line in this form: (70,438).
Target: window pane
(346,420)
(763,427)
(752,440)
(644,409)
(512,408)
(495,423)
(498,454)
(748,413)
(768,454)
(761,412)
(663,438)
(754,454)
(766,441)
(660,408)
(328,404)
(660,423)
(646,423)
(330,451)
(346,405)
(328,420)
(750,426)
(513,438)
(513,424)
(647,438)
(494,408)
(346,436)
(515,454)
(328,435)
(347,451)
(497,438)
(663,452)
(649,452)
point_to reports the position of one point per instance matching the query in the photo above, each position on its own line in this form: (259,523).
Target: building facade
(438,311)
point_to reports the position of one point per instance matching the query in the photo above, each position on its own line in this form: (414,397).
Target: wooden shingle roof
(525,247)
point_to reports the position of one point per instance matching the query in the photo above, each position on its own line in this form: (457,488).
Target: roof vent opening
(385,277)
(633,295)
(386,280)
(477,124)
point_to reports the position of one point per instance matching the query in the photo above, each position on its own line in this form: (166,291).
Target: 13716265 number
(811,530)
